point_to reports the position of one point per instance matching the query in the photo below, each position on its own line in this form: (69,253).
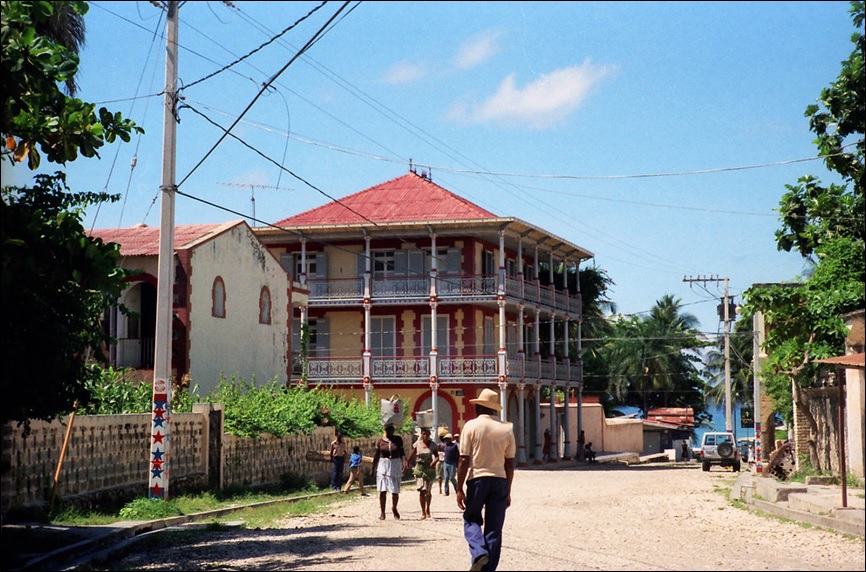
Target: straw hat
(447,436)
(489,399)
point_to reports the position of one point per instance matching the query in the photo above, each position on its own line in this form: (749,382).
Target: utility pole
(724,314)
(161,412)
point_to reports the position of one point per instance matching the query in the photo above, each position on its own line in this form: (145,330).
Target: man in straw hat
(486,466)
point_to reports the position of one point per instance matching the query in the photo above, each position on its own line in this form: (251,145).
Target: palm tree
(652,359)
(742,382)
(66,27)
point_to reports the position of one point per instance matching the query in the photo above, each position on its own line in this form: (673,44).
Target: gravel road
(597,517)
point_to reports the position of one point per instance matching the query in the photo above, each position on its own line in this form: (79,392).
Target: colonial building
(231,305)
(417,292)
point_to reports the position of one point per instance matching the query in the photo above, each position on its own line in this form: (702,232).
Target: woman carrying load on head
(389,462)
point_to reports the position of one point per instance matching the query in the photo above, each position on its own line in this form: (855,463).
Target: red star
(156,491)
(157,437)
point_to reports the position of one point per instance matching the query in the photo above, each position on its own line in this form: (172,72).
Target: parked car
(719,448)
(746,445)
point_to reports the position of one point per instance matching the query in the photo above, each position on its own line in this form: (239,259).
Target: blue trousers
(486,501)
(337,472)
(450,476)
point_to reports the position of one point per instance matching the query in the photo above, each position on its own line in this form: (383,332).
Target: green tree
(40,42)
(652,360)
(740,353)
(825,225)
(56,281)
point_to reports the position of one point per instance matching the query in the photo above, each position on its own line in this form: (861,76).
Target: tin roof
(409,198)
(676,416)
(851,360)
(143,240)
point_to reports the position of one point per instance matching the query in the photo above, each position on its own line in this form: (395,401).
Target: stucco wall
(237,344)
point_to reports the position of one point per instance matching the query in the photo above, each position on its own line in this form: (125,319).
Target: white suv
(719,449)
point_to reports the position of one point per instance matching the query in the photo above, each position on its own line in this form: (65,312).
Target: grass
(259,507)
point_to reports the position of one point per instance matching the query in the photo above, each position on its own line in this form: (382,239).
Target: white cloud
(477,50)
(403,72)
(541,104)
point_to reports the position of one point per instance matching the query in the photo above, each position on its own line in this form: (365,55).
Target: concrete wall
(107,458)
(216,344)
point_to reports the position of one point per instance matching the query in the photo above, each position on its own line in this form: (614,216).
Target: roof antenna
(411,167)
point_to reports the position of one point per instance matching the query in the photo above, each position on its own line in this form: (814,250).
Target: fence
(107,458)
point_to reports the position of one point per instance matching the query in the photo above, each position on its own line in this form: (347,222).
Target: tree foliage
(39,56)
(56,281)
(653,359)
(826,225)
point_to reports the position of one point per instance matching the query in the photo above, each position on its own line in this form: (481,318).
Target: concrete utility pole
(726,318)
(161,412)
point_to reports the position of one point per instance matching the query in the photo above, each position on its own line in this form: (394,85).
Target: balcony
(136,353)
(416,369)
(449,289)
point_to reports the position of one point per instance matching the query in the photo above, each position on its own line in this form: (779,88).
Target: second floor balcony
(449,289)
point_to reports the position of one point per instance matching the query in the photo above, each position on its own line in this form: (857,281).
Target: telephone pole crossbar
(726,318)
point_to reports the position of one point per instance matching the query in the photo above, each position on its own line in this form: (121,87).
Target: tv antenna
(253,188)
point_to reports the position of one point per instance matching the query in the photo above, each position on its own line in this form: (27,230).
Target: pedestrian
(588,453)
(440,464)
(486,467)
(425,458)
(355,474)
(545,448)
(338,461)
(685,448)
(389,462)
(451,457)
(581,442)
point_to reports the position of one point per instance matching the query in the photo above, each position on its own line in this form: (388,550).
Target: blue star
(157,455)
(157,473)
(157,421)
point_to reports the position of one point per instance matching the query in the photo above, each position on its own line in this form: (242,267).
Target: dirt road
(600,517)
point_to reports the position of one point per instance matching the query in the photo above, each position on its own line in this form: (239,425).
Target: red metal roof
(851,360)
(409,198)
(143,240)
(676,416)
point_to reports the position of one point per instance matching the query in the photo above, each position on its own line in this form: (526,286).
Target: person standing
(685,449)
(425,457)
(486,468)
(389,462)
(581,443)
(338,461)
(355,474)
(451,457)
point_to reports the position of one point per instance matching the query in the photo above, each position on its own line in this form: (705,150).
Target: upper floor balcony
(449,369)
(449,289)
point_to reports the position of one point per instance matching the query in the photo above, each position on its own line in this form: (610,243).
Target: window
(383,336)
(218,295)
(442,347)
(489,347)
(383,263)
(265,306)
(488,266)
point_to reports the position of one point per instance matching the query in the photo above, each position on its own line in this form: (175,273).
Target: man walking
(338,461)
(486,466)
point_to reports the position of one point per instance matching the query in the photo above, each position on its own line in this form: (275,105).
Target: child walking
(355,461)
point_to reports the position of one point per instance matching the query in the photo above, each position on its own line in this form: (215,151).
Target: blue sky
(657,135)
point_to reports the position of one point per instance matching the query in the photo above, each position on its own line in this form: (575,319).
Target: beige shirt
(487,442)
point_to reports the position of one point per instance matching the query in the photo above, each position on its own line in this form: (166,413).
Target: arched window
(265,306)
(219,298)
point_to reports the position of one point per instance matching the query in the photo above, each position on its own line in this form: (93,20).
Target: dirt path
(603,517)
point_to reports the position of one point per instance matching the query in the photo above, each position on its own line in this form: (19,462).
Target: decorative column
(434,354)
(579,349)
(367,357)
(539,437)
(520,427)
(305,355)
(303,277)
(502,354)
(566,364)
